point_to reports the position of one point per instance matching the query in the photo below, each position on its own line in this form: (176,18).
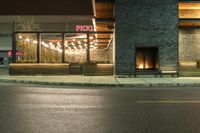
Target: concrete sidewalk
(102,81)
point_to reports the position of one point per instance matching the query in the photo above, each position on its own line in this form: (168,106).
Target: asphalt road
(39,109)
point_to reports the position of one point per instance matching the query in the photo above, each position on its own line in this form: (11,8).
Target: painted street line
(168,102)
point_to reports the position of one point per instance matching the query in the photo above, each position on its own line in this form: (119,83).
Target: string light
(27,39)
(91,37)
(75,47)
(79,42)
(66,45)
(72,43)
(35,42)
(20,37)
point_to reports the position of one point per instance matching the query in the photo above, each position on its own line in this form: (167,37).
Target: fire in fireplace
(147,58)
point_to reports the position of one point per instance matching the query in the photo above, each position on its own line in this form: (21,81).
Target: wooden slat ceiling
(189,24)
(104,11)
(189,5)
(189,10)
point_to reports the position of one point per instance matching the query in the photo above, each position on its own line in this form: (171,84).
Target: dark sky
(46,7)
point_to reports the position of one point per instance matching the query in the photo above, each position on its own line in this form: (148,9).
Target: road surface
(46,109)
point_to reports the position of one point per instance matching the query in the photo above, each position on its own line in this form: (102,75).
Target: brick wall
(144,23)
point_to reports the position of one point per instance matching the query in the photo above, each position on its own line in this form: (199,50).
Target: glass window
(75,47)
(51,48)
(99,44)
(26,48)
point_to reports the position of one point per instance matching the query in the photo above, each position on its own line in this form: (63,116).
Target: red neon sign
(9,53)
(84,28)
(17,53)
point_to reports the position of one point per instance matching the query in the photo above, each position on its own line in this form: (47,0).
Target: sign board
(17,53)
(5,35)
(84,28)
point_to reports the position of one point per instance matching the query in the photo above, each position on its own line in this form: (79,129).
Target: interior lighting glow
(20,37)
(27,39)
(58,43)
(46,45)
(66,45)
(35,42)
(91,37)
(52,47)
(141,66)
(60,50)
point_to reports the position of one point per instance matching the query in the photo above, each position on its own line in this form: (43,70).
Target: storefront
(135,38)
(83,52)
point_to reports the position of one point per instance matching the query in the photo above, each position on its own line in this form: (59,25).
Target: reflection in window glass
(26,48)
(51,48)
(75,47)
(99,48)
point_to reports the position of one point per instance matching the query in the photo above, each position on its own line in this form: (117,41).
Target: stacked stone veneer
(146,23)
(96,56)
(110,53)
(189,44)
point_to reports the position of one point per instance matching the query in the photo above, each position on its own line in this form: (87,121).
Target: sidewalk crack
(117,81)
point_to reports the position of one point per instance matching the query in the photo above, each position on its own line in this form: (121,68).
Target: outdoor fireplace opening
(147,58)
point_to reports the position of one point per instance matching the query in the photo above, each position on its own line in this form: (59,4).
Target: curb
(58,83)
(101,85)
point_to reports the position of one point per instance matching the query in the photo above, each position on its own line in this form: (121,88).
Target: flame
(147,66)
(141,66)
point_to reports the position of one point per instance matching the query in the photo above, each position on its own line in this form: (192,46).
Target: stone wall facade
(189,44)
(99,55)
(96,56)
(110,54)
(143,23)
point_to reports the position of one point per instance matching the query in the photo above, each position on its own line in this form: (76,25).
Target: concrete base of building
(39,69)
(61,69)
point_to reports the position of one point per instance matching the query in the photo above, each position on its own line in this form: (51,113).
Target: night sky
(46,7)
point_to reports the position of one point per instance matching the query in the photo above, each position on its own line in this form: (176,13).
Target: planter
(39,69)
(97,69)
